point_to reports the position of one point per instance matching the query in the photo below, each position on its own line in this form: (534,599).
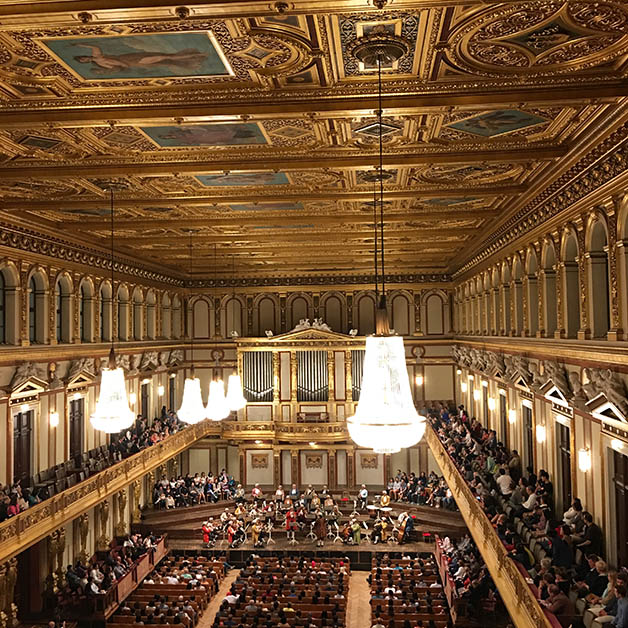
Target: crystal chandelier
(235,398)
(112,413)
(385,419)
(217,406)
(192,409)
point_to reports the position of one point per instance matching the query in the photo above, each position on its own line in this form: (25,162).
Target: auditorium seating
(276,584)
(413,590)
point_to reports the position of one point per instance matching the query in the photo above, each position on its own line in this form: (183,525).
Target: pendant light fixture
(385,419)
(235,398)
(112,413)
(192,409)
(217,406)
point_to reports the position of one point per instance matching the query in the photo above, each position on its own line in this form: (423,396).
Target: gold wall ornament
(102,541)
(83,531)
(135,501)
(259,461)
(121,499)
(313,461)
(369,461)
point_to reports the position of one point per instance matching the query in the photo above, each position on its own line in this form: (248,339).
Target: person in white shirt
(172,580)
(504,481)
(231,598)
(363,496)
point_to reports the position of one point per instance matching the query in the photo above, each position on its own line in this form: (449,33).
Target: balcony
(290,432)
(34,524)
(523,607)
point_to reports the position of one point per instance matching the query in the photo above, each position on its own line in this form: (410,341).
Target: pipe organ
(257,376)
(357,365)
(312,376)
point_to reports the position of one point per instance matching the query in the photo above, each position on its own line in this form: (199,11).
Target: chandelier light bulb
(584,459)
(491,404)
(235,399)
(463,387)
(192,409)
(385,419)
(512,416)
(132,398)
(540,434)
(53,419)
(217,406)
(419,380)
(160,390)
(112,413)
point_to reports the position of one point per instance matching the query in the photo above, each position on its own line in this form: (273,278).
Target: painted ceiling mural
(261,135)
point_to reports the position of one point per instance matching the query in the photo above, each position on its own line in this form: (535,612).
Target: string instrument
(402,530)
(346,531)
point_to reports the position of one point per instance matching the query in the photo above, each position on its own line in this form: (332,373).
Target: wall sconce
(312,443)
(24,407)
(258,442)
(146,380)
(132,398)
(173,375)
(484,383)
(584,459)
(160,390)
(476,395)
(463,387)
(53,419)
(458,372)
(470,377)
(617,445)
(491,404)
(76,396)
(512,416)
(419,380)
(540,433)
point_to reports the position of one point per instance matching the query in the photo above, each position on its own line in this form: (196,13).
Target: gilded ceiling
(252,125)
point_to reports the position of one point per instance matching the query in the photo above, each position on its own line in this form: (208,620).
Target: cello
(402,530)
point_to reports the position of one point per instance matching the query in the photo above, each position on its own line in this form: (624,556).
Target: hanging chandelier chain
(190,331)
(111,353)
(381,168)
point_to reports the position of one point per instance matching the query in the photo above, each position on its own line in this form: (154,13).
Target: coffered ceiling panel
(256,127)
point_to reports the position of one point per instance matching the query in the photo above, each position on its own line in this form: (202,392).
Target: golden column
(331,376)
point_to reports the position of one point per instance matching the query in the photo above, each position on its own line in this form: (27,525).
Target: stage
(183,527)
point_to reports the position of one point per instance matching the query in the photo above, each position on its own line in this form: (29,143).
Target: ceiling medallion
(380,45)
(375,176)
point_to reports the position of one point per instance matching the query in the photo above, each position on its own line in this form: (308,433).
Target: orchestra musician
(279,494)
(307,497)
(320,529)
(315,502)
(291,524)
(363,497)
(257,494)
(207,533)
(384,500)
(294,494)
(239,496)
(379,531)
(356,531)
(256,528)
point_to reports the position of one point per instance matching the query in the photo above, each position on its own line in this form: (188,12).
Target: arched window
(32,310)
(62,310)
(3,320)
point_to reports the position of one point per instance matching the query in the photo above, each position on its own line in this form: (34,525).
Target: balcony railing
(523,607)
(284,431)
(27,528)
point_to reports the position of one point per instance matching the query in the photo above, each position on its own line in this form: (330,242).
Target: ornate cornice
(29,240)
(321,280)
(605,162)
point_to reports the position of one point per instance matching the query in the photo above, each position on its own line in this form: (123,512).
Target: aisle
(358,606)
(208,616)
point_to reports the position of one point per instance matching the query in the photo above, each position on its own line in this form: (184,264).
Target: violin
(346,531)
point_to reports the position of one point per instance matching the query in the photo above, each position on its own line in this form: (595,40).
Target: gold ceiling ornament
(542,38)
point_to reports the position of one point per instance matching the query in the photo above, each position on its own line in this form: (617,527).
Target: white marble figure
(269,333)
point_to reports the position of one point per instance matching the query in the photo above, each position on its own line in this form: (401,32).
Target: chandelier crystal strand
(385,419)
(192,409)
(235,397)
(217,406)
(112,413)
